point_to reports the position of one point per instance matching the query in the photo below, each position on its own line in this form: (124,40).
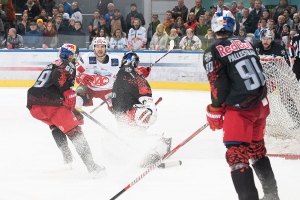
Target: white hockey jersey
(104,74)
(137,38)
(118,44)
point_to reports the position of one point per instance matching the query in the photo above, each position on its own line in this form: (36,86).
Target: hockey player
(52,101)
(97,73)
(267,46)
(133,104)
(238,93)
(295,56)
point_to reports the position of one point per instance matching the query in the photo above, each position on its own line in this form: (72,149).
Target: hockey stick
(100,105)
(170,49)
(153,166)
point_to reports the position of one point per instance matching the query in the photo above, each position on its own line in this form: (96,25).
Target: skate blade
(96,175)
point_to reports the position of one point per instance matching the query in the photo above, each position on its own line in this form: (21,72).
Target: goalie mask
(69,49)
(223,21)
(131,58)
(267,33)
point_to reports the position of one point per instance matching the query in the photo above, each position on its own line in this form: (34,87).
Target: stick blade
(171,45)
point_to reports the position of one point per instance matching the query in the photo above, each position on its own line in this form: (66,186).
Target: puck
(169,164)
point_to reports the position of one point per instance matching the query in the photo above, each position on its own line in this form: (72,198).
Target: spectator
(110,14)
(242,32)
(134,13)
(76,12)
(95,23)
(159,39)
(78,36)
(198,9)
(32,10)
(201,28)
(40,25)
(168,21)
(279,25)
(296,22)
(65,16)
(240,6)
(100,33)
(246,22)
(60,28)
(43,15)
(3,19)
(48,6)
(38,4)
(33,38)
(152,28)
(293,11)
(271,26)
(288,20)
(50,36)
(14,40)
(207,19)
(209,39)
(192,22)
(67,7)
(118,22)
(102,6)
(235,11)
(174,36)
(213,9)
(285,36)
(220,5)
(263,26)
(266,14)
(137,37)
(256,14)
(251,3)
(23,26)
(55,12)
(103,25)
(180,27)
(180,11)
(292,34)
(118,40)
(283,4)
(71,26)
(190,41)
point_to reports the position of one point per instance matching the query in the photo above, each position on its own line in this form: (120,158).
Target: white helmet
(267,33)
(223,21)
(99,40)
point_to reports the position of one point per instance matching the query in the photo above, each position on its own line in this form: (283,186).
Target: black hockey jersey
(48,89)
(127,89)
(276,49)
(234,73)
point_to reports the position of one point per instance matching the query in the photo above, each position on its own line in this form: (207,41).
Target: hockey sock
(62,143)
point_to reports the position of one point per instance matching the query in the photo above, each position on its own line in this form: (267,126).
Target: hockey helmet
(68,49)
(267,33)
(99,40)
(131,58)
(223,21)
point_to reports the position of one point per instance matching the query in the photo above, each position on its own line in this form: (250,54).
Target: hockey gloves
(85,79)
(142,70)
(215,117)
(70,99)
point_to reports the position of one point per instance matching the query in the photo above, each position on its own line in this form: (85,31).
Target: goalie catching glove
(69,99)
(145,113)
(215,117)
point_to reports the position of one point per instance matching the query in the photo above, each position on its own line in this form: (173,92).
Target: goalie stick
(153,166)
(170,49)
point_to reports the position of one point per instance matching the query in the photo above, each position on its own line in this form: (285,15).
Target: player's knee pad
(257,150)
(59,137)
(237,156)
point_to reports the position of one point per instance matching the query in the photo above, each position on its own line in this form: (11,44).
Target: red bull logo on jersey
(234,46)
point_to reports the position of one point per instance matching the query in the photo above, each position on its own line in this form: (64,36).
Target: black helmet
(131,58)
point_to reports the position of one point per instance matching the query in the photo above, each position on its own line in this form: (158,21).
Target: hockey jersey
(234,73)
(104,73)
(128,88)
(48,89)
(137,38)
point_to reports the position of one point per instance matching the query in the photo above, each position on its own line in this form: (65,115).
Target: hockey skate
(96,170)
(67,156)
(270,196)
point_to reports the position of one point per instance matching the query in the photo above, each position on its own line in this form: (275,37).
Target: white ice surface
(31,166)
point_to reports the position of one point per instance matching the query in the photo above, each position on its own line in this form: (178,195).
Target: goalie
(133,105)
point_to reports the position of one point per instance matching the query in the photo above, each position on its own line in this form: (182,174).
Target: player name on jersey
(234,46)
(240,54)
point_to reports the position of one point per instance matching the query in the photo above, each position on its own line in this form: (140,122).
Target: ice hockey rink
(32,168)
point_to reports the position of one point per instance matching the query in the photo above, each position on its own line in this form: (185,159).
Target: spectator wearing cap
(198,9)
(102,6)
(152,28)
(110,14)
(40,25)
(118,22)
(256,14)
(67,7)
(134,13)
(32,10)
(180,11)
(33,38)
(14,40)
(76,12)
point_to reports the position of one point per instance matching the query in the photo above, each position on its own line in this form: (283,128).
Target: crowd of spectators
(47,24)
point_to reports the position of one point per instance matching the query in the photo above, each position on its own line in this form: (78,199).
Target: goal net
(283,123)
